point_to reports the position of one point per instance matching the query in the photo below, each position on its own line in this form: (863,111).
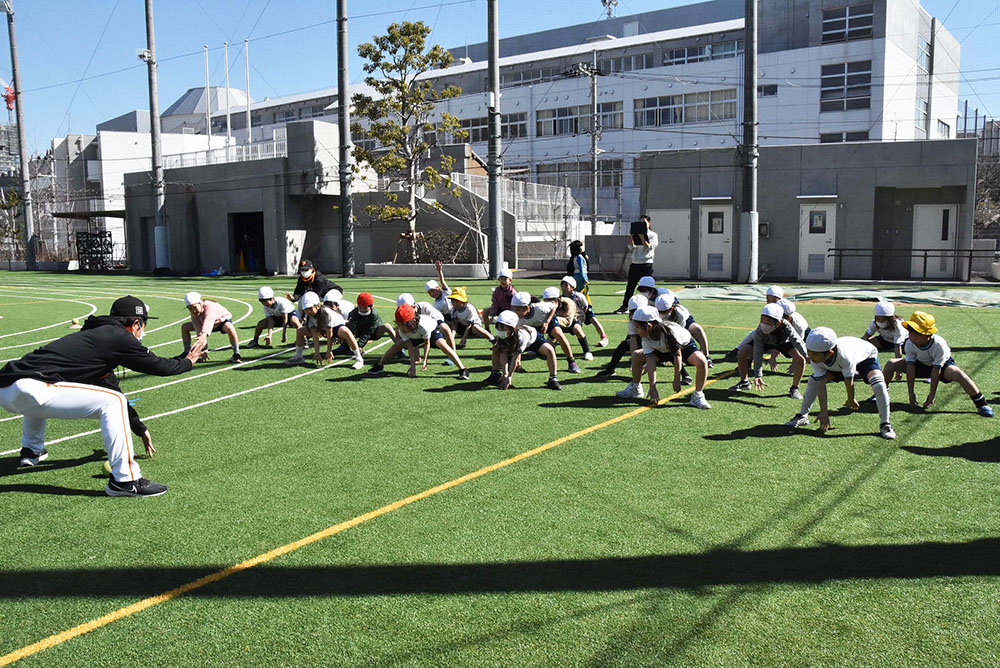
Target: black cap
(130,307)
(305,264)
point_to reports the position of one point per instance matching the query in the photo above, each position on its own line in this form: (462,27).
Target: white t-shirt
(325,318)
(467,315)
(442,303)
(894,335)
(851,351)
(661,344)
(281,307)
(643,255)
(425,327)
(935,353)
(799,324)
(525,337)
(425,308)
(345,307)
(538,314)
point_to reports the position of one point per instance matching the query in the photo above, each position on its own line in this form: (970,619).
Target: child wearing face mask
(886,331)
(366,323)
(512,339)
(774,333)
(310,280)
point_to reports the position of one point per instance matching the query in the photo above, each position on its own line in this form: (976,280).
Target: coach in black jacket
(311,280)
(74,378)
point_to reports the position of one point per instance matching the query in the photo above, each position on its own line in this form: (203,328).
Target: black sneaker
(493,378)
(463,374)
(376,370)
(619,311)
(686,378)
(140,487)
(711,364)
(606,373)
(251,344)
(553,384)
(29,458)
(236,358)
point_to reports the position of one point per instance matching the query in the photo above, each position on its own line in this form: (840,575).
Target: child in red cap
(414,328)
(366,323)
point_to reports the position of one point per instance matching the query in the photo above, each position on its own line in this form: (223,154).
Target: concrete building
(830,72)
(893,211)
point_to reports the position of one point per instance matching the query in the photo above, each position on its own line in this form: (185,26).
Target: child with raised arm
(465,317)
(845,357)
(927,355)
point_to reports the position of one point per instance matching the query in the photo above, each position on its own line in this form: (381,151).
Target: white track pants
(38,401)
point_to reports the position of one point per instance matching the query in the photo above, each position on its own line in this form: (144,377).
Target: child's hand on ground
(412,373)
(852,404)
(677,384)
(758,383)
(824,421)
(654,396)
(929,402)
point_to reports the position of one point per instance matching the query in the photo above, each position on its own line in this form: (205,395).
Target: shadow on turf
(50,489)
(10,465)
(778,431)
(691,571)
(984,451)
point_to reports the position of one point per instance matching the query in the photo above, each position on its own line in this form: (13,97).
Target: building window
(846,23)
(944,130)
(255,120)
(578,174)
(314,111)
(716,223)
(697,54)
(921,114)
(837,137)
(945,215)
(562,121)
(713,105)
(284,116)
(817,222)
(767,90)
(526,77)
(513,126)
(610,116)
(478,129)
(923,54)
(641,61)
(846,86)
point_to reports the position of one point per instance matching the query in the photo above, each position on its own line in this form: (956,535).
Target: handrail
(966,254)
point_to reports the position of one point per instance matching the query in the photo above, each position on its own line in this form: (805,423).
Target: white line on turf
(93,309)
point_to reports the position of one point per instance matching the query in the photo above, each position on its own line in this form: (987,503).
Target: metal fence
(546,217)
(263,150)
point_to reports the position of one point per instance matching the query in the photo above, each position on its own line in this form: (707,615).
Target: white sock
(881,398)
(298,350)
(812,388)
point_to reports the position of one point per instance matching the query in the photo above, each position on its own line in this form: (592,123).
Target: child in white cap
(670,308)
(584,310)
(323,321)
(208,316)
(503,293)
(927,355)
(794,318)
(278,312)
(886,331)
(773,294)
(849,358)
(669,343)
(774,333)
(567,317)
(439,291)
(631,341)
(541,316)
(513,339)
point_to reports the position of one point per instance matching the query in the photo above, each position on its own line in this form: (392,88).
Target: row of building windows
(703,52)
(847,23)
(578,174)
(713,105)
(846,86)
(576,119)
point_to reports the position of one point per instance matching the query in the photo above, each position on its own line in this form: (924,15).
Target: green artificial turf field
(671,537)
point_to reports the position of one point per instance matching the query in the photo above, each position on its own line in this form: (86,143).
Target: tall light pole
(590,70)
(748,218)
(344,122)
(22,141)
(160,236)
(495,157)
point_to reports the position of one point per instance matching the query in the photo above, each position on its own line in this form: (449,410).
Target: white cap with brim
(265,293)
(665,301)
(310,299)
(521,299)
(773,311)
(787,306)
(646,314)
(569,280)
(885,309)
(821,340)
(506,273)
(431,285)
(333,295)
(192,298)
(776,291)
(550,293)
(636,302)
(647,282)
(405,298)
(508,318)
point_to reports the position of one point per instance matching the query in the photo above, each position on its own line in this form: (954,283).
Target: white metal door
(934,228)
(673,255)
(715,241)
(817,233)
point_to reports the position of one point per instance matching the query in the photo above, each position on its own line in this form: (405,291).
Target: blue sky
(293,47)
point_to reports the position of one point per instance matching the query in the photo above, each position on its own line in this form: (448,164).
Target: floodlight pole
(160,237)
(344,123)
(750,149)
(495,156)
(22,141)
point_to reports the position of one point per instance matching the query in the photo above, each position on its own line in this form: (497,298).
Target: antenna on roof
(609,5)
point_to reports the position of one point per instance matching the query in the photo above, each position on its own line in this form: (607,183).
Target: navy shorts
(882,345)
(785,349)
(278,320)
(552,326)
(587,316)
(866,367)
(668,358)
(436,335)
(924,371)
(219,325)
(689,322)
(535,345)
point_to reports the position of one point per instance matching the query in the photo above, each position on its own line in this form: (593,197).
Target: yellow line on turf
(145,603)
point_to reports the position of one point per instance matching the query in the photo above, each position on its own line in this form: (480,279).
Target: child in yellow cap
(465,317)
(927,355)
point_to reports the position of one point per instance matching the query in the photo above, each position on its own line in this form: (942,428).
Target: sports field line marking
(149,602)
(93,309)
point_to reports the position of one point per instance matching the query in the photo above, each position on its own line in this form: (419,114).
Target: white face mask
(767,329)
(884,323)
(305,274)
(502,333)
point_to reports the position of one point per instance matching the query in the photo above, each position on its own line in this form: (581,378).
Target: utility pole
(495,160)
(229,131)
(594,134)
(22,141)
(208,104)
(160,236)
(346,168)
(246,55)
(749,218)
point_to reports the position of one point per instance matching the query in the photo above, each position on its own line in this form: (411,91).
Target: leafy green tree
(398,119)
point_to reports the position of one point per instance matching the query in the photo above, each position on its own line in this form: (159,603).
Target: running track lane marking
(145,603)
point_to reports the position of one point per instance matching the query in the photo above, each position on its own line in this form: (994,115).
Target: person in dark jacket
(74,377)
(311,280)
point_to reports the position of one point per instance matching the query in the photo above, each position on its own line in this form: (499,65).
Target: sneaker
(886,432)
(553,384)
(448,363)
(631,391)
(795,394)
(140,487)
(358,363)
(711,364)
(620,310)
(606,373)
(341,349)
(30,458)
(588,357)
(251,344)
(870,400)
(985,410)
(236,358)
(603,342)
(376,370)
(295,360)
(798,421)
(574,367)
(463,374)
(698,401)
(686,378)
(493,378)
(741,386)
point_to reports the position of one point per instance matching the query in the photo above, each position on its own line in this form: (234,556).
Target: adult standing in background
(643,248)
